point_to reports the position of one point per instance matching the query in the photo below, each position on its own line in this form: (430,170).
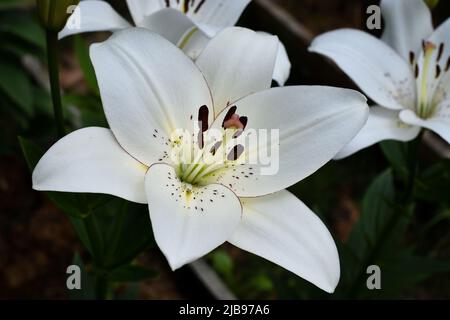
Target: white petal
(178,29)
(214,15)
(149,88)
(91,160)
(407,24)
(193,42)
(169,23)
(383,124)
(280,228)
(238,62)
(376,68)
(93,16)
(439,124)
(141,8)
(313,124)
(282,64)
(188,225)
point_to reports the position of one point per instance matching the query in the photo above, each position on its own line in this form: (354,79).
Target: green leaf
(82,52)
(397,154)
(222,262)
(7,4)
(87,291)
(31,151)
(434,183)
(377,235)
(22,25)
(14,83)
(129,233)
(132,273)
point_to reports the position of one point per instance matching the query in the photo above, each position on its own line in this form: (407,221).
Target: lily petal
(376,68)
(168,23)
(149,88)
(139,9)
(178,29)
(281,229)
(189,222)
(94,16)
(407,24)
(438,124)
(236,63)
(282,64)
(313,124)
(91,160)
(212,16)
(383,124)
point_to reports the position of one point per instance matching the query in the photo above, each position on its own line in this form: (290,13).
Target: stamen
(168,3)
(215,147)
(244,121)
(411,57)
(429,48)
(438,71)
(441,50)
(229,115)
(199,6)
(416,71)
(235,122)
(447,66)
(236,152)
(186,6)
(203,114)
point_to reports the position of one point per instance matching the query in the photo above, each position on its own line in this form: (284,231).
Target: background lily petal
(407,24)
(375,67)
(383,124)
(95,16)
(440,125)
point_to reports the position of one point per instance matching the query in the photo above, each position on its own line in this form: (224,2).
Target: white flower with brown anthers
(189,24)
(151,90)
(407,74)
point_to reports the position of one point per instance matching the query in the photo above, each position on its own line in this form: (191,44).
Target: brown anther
(234,122)
(428,45)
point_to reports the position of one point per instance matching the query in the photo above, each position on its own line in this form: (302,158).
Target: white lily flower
(189,24)
(150,90)
(406,73)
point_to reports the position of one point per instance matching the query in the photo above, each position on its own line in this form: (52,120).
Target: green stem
(53,69)
(390,226)
(97,246)
(101,287)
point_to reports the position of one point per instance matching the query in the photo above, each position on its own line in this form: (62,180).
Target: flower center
(203,155)
(428,78)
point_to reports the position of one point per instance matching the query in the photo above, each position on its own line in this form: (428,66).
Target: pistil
(428,48)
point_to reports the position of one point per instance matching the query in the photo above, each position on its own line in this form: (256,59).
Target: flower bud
(432,3)
(54,13)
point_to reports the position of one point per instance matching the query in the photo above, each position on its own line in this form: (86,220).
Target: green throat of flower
(200,158)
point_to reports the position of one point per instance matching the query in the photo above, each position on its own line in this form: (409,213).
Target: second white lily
(407,73)
(189,24)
